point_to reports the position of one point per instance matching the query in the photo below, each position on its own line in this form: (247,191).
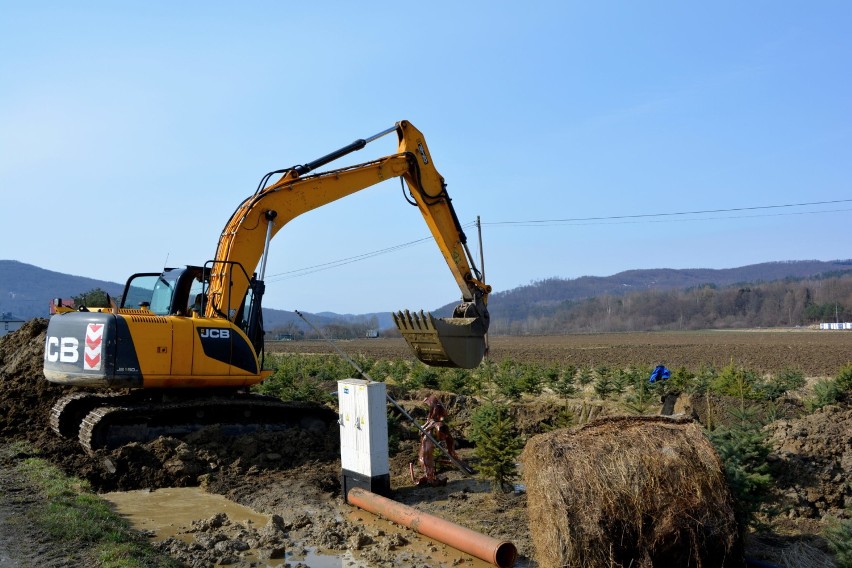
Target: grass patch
(77,519)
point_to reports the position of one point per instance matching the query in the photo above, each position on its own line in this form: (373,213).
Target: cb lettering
(62,349)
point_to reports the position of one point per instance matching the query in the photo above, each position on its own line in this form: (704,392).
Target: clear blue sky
(129,132)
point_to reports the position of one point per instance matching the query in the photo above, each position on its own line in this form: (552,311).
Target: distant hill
(273,319)
(517,303)
(25,290)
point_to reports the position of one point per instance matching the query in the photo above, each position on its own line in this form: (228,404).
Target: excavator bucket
(443,342)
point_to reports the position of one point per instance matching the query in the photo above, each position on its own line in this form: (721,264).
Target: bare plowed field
(814,353)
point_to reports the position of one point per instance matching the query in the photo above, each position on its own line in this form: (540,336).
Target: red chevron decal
(94,345)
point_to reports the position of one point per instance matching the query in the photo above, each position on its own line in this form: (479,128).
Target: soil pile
(210,455)
(620,491)
(812,462)
(26,397)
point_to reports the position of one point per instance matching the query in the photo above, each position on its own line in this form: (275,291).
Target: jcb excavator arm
(458,341)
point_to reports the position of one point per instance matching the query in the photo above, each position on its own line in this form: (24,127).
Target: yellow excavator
(181,348)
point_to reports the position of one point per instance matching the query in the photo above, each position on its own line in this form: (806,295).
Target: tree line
(781,303)
(772,304)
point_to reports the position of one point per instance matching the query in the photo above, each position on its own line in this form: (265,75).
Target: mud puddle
(170,512)
(190,514)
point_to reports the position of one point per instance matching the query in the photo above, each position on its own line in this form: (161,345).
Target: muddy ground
(295,475)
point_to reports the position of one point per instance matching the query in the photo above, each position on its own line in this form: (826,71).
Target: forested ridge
(788,302)
(773,294)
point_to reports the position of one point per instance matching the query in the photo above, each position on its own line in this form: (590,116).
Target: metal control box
(363,436)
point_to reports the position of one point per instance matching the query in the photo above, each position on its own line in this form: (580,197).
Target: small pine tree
(423,376)
(604,386)
(620,381)
(735,381)
(552,374)
(838,533)
(508,381)
(681,380)
(825,392)
(530,378)
(743,449)
(642,399)
(454,380)
(775,386)
(585,377)
(564,387)
(497,445)
(843,379)
(563,417)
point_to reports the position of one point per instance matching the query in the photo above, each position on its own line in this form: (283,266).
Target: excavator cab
(164,293)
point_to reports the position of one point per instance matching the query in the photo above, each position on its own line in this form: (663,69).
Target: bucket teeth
(423,322)
(442,342)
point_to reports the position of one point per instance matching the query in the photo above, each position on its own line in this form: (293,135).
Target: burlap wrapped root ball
(630,491)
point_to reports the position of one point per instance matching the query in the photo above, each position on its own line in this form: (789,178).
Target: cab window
(139,290)
(150,289)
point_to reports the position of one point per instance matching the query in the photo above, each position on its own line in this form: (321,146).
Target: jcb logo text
(214,333)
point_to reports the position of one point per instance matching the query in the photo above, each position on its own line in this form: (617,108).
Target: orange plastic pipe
(499,553)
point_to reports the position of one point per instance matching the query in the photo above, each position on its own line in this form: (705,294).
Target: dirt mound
(26,397)
(208,455)
(620,491)
(812,462)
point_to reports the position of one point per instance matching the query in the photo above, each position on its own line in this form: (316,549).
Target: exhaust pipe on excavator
(444,342)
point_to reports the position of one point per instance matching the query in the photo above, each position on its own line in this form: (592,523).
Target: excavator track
(114,421)
(68,412)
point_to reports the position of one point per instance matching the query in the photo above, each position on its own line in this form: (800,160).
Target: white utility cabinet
(363,436)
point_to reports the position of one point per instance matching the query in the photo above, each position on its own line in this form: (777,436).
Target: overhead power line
(612,219)
(348,260)
(650,219)
(673,214)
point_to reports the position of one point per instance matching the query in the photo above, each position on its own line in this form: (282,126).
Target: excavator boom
(458,341)
(185,342)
